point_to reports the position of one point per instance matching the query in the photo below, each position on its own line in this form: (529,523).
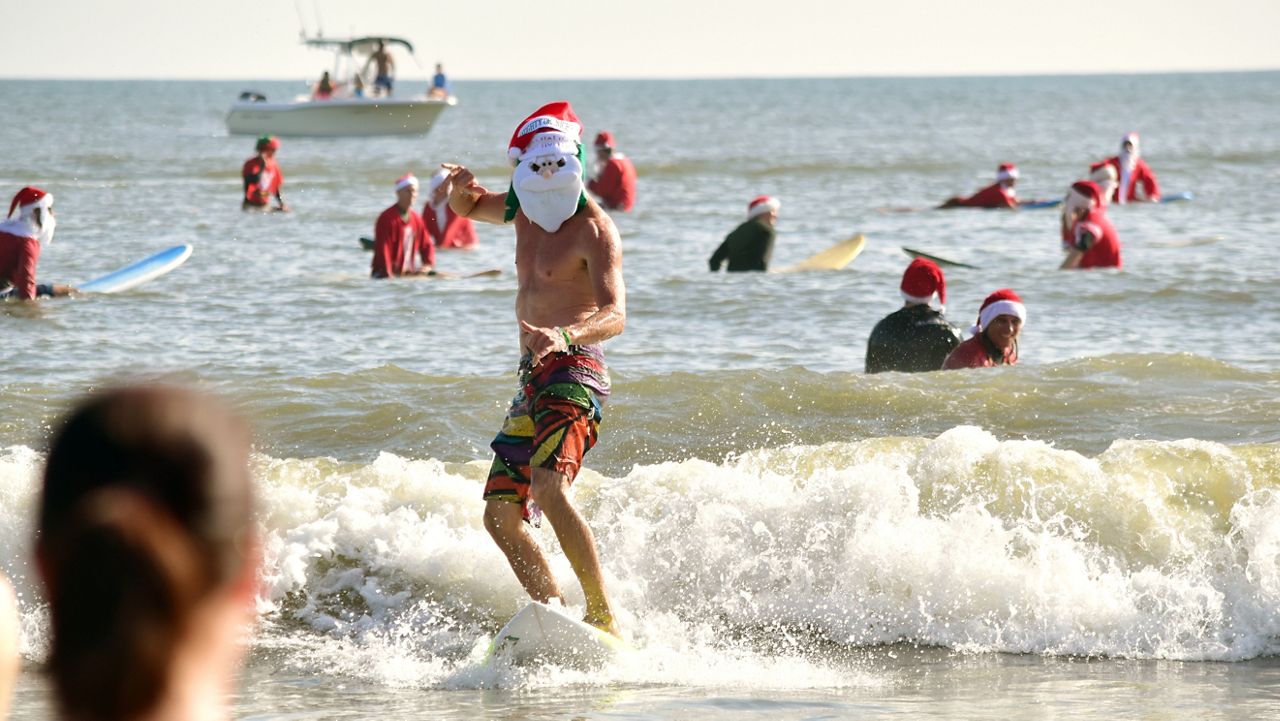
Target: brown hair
(146,510)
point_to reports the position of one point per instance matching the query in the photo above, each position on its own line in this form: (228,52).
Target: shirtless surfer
(570,298)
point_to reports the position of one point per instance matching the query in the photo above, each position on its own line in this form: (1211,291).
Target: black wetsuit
(748,247)
(913,339)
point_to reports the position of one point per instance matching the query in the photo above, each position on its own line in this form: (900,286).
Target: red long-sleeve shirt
(457,232)
(616,184)
(400,242)
(18,256)
(1141,175)
(992,196)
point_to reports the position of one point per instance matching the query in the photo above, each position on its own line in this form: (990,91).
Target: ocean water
(1093,532)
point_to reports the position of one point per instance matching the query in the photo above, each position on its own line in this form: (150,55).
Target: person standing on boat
(383,81)
(995,336)
(1094,240)
(570,298)
(916,337)
(262,177)
(447,228)
(1000,194)
(615,177)
(401,245)
(750,245)
(21,239)
(1133,173)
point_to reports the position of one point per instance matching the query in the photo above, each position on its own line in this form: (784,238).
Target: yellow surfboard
(833,258)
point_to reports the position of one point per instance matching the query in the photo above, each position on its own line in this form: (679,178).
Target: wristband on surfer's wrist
(568,341)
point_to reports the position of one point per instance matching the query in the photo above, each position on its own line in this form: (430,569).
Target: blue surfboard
(136,274)
(1177,197)
(1037,204)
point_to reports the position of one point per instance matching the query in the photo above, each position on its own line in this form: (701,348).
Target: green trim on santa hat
(513,203)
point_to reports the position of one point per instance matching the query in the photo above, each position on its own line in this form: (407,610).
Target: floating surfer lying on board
(401,245)
(750,245)
(1000,194)
(21,239)
(570,298)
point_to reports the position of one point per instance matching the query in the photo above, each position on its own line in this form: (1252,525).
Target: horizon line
(642,78)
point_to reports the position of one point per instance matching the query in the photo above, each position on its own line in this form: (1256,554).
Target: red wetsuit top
(1141,175)
(401,244)
(1096,231)
(992,196)
(18,256)
(978,352)
(616,184)
(458,232)
(262,179)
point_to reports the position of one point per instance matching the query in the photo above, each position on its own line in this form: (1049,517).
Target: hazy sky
(248,39)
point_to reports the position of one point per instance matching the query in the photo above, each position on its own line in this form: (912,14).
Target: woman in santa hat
(995,337)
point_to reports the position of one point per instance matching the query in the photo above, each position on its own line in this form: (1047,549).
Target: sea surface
(1092,533)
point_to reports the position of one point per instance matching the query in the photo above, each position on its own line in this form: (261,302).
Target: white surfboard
(540,633)
(135,274)
(834,258)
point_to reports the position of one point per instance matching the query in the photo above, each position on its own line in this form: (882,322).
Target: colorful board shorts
(553,421)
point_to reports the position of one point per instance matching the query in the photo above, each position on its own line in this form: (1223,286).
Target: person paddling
(1000,194)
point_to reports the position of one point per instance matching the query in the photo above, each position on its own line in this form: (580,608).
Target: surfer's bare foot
(606,624)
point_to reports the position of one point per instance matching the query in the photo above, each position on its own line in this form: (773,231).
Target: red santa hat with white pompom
(552,129)
(762,204)
(1006,171)
(28,199)
(923,282)
(1001,302)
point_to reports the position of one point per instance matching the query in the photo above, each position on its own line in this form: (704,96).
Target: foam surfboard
(540,633)
(135,274)
(940,261)
(834,258)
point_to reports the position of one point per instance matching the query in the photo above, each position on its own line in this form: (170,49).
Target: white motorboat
(343,112)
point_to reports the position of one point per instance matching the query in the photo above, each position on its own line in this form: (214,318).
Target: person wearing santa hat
(570,298)
(750,245)
(1135,180)
(401,245)
(1077,202)
(916,337)
(28,227)
(614,181)
(262,177)
(995,337)
(1000,194)
(447,228)
(1093,240)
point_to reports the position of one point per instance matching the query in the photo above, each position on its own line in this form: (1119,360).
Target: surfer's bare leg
(550,491)
(505,523)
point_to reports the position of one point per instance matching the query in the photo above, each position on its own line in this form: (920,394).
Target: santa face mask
(549,188)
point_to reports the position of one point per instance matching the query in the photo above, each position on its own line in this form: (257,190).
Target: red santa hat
(408,180)
(1006,171)
(1001,302)
(604,139)
(28,199)
(551,129)
(1090,190)
(268,142)
(762,204)
(922,282)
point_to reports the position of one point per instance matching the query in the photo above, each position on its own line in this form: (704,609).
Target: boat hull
(339,117)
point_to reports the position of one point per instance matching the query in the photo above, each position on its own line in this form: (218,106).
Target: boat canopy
(352,46)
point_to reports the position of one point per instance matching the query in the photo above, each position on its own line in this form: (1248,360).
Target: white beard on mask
(45,236)
(548,200)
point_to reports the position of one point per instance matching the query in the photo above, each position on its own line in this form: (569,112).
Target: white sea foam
(760,571)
